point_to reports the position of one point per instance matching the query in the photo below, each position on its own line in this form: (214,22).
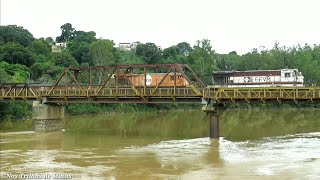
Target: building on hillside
(132,46)
(125,46)
(128,46)
(58,47)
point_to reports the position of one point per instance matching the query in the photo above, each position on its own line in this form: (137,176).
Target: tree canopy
(15,53)
(149,53)
(103,52)
(18,48)
(67,33)
(15,34)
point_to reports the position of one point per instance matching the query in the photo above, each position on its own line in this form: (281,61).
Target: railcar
(152,80)
(258,78)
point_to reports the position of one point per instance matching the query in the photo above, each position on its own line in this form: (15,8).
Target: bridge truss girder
(161,95)
(99,77)
(263,94)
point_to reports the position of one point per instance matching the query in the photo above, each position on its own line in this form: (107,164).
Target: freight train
(257,78)
(252,78)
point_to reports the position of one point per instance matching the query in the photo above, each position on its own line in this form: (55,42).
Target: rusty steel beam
(12,87)
(122,66)
(90,77)
(75,75)
(75,80)
(21,90)
(164,77)
(103,84)
(32,92)
(175,80)
(57,82)
(155,67)
(18,91)
(195,76)
(183,74)
(145,80)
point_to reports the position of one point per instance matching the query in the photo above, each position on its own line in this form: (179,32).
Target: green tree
(103,52)
(176,54)
(149,53)
(82,36)
(41,47)
(45,72)
(128,57)
(64,59)
(67,34)
(4,76)
(307,59)
(79,47)
(202,58)
(224,62)
(170,54)
(184,48)
(13,73)
(15,34)
(16,54)
(80,51)
(49,40)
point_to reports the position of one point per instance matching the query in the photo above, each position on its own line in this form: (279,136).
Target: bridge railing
(263,93)
(123,91)
(32,92)
(218,94)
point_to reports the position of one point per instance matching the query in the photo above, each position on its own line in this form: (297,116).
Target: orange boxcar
(153,79)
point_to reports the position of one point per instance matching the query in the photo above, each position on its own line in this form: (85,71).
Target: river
(255,144)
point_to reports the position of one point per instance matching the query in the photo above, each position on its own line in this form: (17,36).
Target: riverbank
(21,110)
(182,123)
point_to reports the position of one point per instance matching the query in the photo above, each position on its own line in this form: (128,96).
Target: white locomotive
(257,78)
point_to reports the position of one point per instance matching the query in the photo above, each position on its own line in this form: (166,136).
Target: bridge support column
(214,120)
(47,117)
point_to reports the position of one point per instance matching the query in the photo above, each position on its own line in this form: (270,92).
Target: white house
(58,47)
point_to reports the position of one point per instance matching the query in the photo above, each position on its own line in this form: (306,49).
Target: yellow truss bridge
(191,94)
(103,84)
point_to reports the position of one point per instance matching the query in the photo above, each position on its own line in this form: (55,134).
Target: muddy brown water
(255,144)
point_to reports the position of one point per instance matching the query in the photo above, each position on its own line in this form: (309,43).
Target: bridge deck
(63,94)
(263,94)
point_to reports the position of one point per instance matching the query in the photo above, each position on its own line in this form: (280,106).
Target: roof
(248,73)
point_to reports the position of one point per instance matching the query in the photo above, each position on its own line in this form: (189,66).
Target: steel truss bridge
(101,84)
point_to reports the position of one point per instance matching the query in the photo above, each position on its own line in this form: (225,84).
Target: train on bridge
(164,83)
(252,78)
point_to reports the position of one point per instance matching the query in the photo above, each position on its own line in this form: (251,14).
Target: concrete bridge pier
(47,117)
(214,120)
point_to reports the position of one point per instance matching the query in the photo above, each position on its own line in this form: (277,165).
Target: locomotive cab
(222,78)
(292,76)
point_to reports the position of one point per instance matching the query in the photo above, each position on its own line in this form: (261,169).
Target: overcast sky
(231,25)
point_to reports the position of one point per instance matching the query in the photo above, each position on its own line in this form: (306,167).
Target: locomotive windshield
(219,80)
(221,77)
